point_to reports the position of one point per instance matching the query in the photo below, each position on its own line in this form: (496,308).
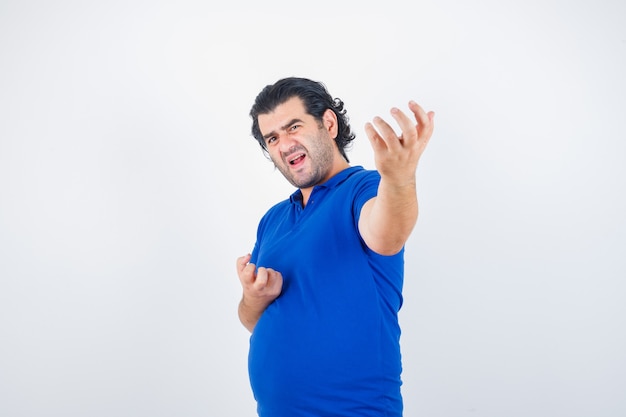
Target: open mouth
(296,159)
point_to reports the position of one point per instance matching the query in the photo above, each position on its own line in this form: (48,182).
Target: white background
(129,184)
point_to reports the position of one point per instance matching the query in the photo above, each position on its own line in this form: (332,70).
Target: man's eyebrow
(284,127)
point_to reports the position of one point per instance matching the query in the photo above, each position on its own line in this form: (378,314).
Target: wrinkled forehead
(282,116)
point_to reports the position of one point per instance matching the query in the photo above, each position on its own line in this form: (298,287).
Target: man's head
(316,100)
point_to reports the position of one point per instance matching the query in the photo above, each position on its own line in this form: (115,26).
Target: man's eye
(294,127)
(271,140)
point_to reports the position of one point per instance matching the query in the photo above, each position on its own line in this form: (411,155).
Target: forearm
(390,218)
(249,315)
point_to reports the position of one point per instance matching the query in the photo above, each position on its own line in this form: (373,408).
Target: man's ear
(330,123)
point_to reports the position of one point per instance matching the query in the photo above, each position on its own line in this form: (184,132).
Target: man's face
(301,147)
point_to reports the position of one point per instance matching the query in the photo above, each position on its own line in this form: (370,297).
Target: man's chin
(302,182)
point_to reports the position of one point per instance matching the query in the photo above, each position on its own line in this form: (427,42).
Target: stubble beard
(319,160)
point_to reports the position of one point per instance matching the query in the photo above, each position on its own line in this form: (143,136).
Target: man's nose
(287,142)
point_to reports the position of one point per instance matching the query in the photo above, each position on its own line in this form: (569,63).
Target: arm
(260,288)
(386,221)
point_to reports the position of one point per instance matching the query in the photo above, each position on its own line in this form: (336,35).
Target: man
(323,285)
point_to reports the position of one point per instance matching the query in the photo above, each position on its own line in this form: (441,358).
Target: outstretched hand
(396,156)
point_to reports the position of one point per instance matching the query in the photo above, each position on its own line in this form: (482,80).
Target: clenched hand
(260,287)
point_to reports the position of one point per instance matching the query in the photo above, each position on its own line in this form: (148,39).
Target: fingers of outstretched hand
(381,134)
(425,121)
(377,142)
(409,134)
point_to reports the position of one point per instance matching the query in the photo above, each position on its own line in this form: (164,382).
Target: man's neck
(306,192)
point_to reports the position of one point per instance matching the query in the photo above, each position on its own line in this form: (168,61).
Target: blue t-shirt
(329,344)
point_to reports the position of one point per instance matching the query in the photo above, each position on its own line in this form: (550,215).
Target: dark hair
(316,101)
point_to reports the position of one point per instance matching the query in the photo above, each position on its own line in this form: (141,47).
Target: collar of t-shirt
(296,197)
